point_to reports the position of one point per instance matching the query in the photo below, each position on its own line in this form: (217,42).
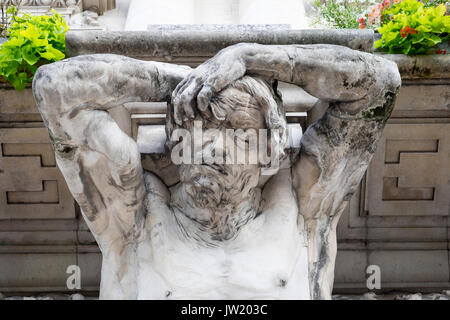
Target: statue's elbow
(43,84)
(389,76)
(47,88)
(41,77)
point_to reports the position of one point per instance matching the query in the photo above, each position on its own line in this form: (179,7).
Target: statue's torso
(267,259)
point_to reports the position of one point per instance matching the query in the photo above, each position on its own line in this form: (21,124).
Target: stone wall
(398,219)
(41,232)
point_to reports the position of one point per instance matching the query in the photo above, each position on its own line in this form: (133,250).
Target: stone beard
(223,231)
(223,197)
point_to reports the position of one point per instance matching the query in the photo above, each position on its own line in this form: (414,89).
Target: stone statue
(225,231)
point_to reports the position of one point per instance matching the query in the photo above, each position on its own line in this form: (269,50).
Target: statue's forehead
(240,118)
(247,118)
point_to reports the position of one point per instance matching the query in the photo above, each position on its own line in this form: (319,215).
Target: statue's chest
(267,260)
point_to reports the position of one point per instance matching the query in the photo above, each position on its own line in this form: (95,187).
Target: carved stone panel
(31,185)
(409,174)
(423,97)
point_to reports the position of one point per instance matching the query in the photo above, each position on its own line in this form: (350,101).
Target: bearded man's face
(217,183)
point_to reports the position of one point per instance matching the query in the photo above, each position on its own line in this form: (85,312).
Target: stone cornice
(176,45)
(192,47)
(433,66)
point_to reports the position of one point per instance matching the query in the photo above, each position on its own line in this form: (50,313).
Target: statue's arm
(335,150)
(329,72)
(360,88)
(101,163)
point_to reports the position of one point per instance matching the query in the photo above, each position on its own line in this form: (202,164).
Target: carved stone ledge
(433,66)
(193,47)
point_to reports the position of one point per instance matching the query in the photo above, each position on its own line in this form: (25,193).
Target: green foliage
(434,3)
(341,14)
(413,28)
(5,19)
(32,42)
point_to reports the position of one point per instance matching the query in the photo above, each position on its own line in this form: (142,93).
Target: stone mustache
(223,231)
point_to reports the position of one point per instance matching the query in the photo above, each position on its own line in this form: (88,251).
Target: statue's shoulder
(155,188)
(279,190)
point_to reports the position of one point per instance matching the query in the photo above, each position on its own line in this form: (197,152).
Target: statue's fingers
(189,98)
(177,113)
(204,97)
(181,86)
(178,109)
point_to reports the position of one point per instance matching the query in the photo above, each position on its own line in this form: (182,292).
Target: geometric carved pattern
(399,218)
(392,192)
(31,187)
(394,149)
(43,150)
(49,194)
(409,175)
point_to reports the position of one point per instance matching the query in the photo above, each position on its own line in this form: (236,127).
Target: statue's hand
(197,89)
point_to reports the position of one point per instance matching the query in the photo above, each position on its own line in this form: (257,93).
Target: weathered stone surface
(394,191)
(22,272)
(421,67)
(222,226)
(90,264)
(39,192)
(217,27)
(17,106)
(393,214)
(420,102)
(423,99)
(422,266)
(170,45)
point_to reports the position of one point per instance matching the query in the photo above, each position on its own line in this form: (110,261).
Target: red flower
(407,30)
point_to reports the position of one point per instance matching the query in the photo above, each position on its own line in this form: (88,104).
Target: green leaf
(29,55)
(427,27)
(8,69)
(406,47)
(13,42)
(440,10)
(33,40)
(11,10)
(52,54)
(433,38)
(378,43)
(18,83)
(419,38)
(13,54)
(423,28)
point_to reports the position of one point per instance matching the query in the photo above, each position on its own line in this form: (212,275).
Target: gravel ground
(445,295)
